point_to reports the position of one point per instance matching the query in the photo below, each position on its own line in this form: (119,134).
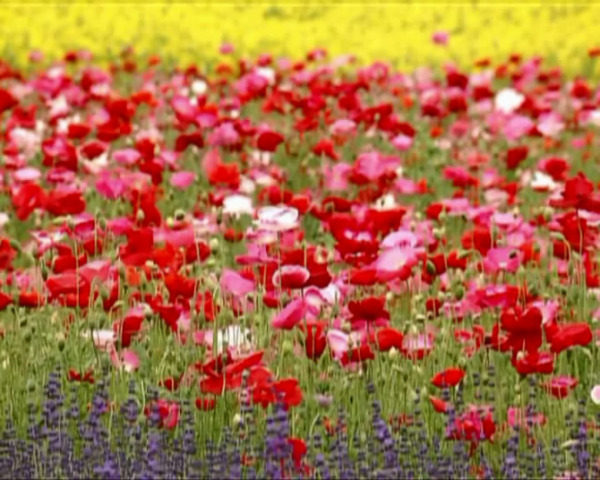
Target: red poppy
(570,335)
(26,198)
(556,167)
(184,140)
(438,404)
(168,411)
(370,308)
(285,390)
(179,286)
(474,425)
(480,239)
(7,254)
(206,303)
(59,153)
(448,378)
(7,100)
(534,362)
(326,147)
(128,327)
(60,203)
(171,383)
(560,387)
(75,376)
(364,277)
(93,149)
(268,141)
(78,130)
(387,338)
(576,193)
(31,299)
(524,329)
(315,341)
(515,156)
(357,354)
(5,301)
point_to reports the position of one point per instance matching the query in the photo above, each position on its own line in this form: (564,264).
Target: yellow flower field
(395,31)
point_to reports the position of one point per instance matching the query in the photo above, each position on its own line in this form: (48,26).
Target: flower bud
(430,267)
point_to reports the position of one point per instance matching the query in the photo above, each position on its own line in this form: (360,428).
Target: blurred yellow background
(399,32)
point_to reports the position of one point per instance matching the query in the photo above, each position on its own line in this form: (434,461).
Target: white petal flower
(508,100)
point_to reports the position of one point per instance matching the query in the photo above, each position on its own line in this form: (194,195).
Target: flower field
(245,265)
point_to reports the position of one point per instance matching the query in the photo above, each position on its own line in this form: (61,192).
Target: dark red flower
(7,100)
(268,141)
(315,341)
(516,155)
(7,254)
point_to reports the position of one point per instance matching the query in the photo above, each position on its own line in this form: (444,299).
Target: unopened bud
(237,420)
(214,244)
(15,244)
(430,267)
(179,215)
(287,347)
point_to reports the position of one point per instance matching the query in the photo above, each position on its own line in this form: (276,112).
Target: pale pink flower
(183,180)
(277,218)
(126,156)
(336,176)
(126,359)
(595,394)
(27,174)
(233,283)
(402,142)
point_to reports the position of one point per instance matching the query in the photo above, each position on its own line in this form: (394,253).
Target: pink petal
(338,342)
(402,142)
(177,238)
(440,38)
(233,283)
(183,180)
(27,174)
(98,269)
(291,315)
(103,339)
(127,156)
(109,187)
(595,394)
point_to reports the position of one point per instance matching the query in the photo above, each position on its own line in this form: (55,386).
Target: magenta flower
(182,180)
(502,259)
(440,38)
